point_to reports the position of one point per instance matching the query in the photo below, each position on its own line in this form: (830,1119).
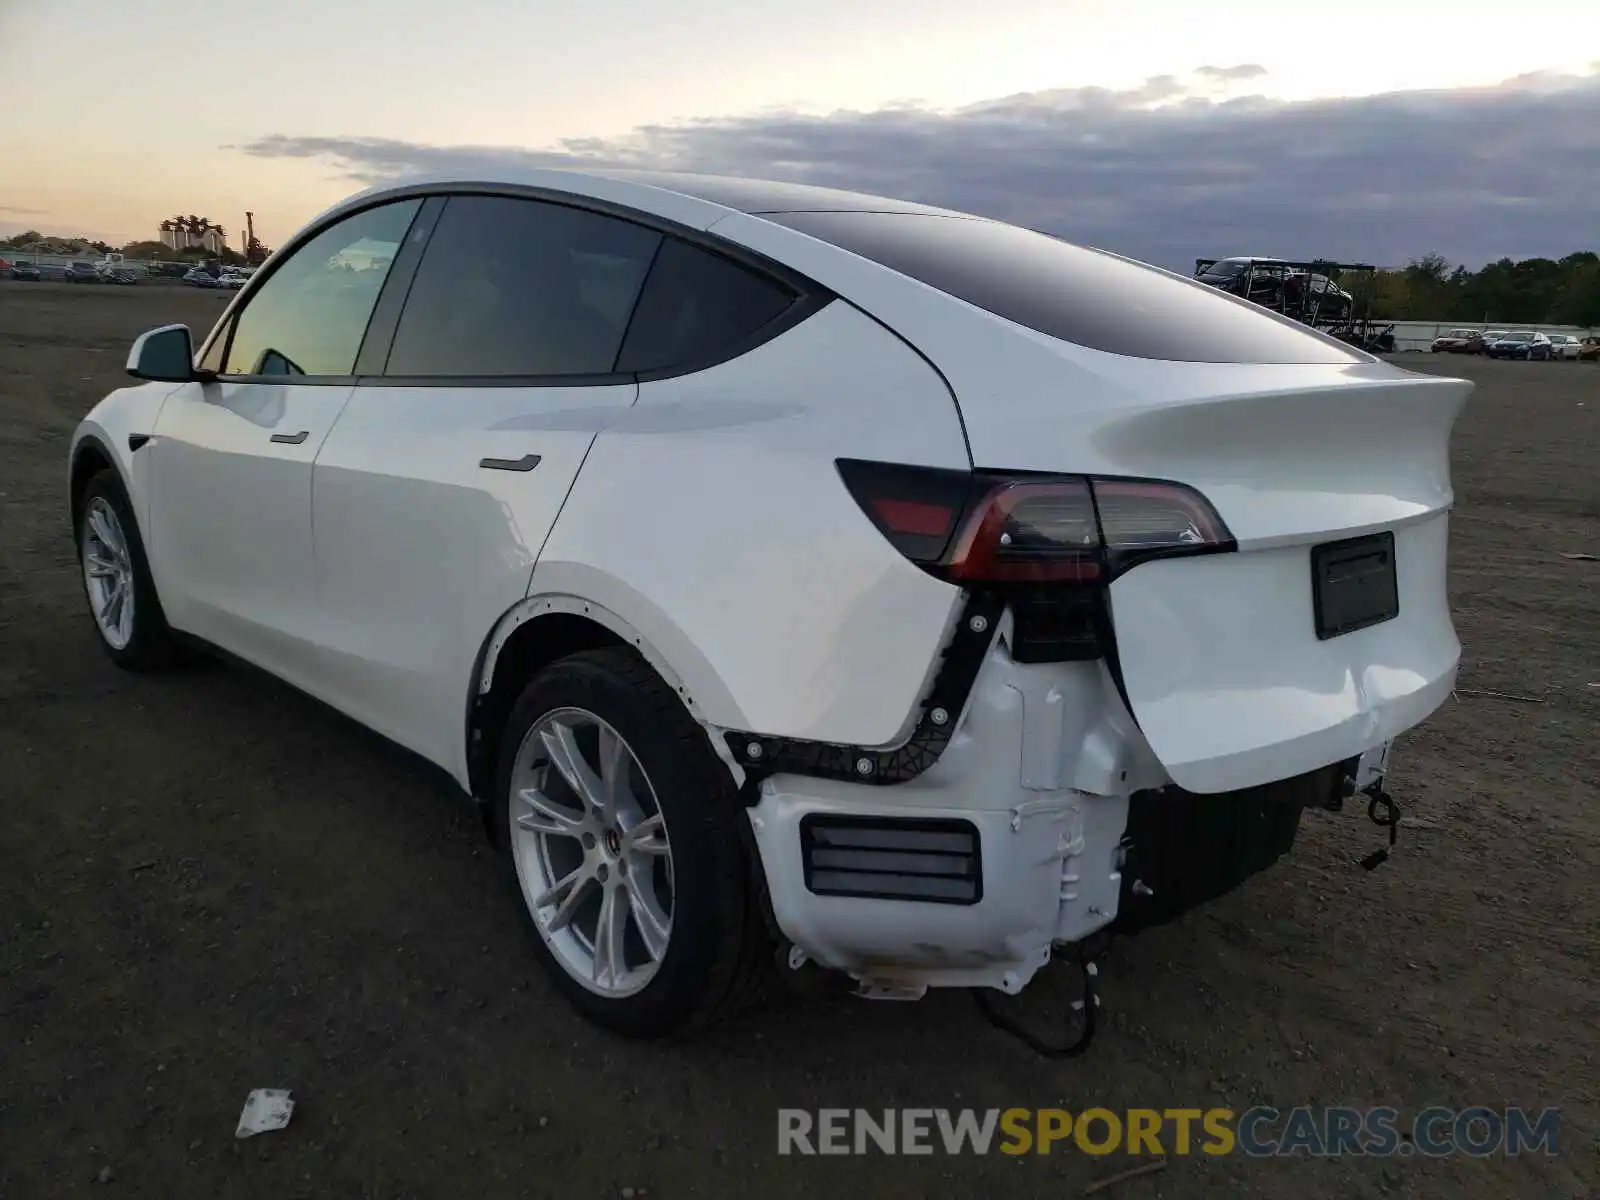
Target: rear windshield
(1086,297)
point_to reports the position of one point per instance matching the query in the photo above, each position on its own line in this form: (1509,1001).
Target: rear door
(230,461)
(449,464)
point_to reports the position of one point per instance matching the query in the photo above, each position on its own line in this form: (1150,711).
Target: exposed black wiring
(1088,1006)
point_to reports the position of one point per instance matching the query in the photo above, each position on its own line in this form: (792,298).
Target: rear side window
(696,307)
(511,287)
(1086,297)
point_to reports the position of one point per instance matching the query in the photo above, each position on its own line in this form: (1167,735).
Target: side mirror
(165,355)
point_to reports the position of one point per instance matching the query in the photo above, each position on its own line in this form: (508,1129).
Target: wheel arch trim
(694,687)
(91,439)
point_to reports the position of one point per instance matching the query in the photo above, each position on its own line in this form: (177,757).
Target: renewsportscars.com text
(1257,1132)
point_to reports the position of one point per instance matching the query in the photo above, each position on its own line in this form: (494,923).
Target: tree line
(32,238)
(138,251)
(1535,291)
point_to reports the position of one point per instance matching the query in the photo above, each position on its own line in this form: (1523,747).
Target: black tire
(721,956)
(151,645)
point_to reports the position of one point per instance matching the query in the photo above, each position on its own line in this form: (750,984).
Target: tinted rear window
(511,287)
(1086,297)
(696,307)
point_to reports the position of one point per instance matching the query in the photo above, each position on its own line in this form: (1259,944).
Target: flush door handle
(526,463)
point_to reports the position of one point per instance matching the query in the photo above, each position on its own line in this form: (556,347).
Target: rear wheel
(625,849)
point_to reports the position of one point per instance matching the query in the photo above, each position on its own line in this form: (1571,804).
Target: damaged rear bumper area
(1184,850)
(1045,820)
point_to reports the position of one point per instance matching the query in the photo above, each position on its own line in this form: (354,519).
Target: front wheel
(623,834)
(116,578)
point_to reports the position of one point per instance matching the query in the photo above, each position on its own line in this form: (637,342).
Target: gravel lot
(210,884)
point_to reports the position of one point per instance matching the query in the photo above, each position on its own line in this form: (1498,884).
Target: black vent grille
(881,858)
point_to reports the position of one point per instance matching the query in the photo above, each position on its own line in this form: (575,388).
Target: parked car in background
(1254,278)
(80,272)
(1523,343)
(5,268)
(232,279)
(1311,293)
(1273,283)
(791,575)
(1563,346)
(114,268)
(25,269)
(1458,341)
(199,277)
(1588,349)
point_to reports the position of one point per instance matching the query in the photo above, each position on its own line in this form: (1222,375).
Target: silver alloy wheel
(108,573)
(591,850)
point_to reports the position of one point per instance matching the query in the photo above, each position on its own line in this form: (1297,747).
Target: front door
(231,460)
(444,475)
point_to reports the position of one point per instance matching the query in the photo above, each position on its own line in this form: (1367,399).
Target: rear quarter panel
(712,519)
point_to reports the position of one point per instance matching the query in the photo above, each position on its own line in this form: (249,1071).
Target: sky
(1162,129)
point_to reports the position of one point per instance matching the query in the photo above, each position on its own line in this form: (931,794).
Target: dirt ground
(211,884)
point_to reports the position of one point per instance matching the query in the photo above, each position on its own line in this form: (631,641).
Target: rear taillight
(916,508)
(1030,533)
(1050,542)
(1142,519)
(995,528)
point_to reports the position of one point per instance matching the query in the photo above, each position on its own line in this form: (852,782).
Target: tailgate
(1220,656)
(1242,668)
(1231,683)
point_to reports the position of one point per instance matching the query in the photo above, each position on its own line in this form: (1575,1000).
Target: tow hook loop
(1085,1022)
(1381,811)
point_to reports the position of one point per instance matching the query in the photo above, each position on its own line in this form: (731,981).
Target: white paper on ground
(265,1109)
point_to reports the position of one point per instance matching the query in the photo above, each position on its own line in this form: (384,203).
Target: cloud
(14,211)
(1167,171)
(1239,74)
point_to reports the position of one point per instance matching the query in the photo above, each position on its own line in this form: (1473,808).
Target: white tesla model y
(791,575)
